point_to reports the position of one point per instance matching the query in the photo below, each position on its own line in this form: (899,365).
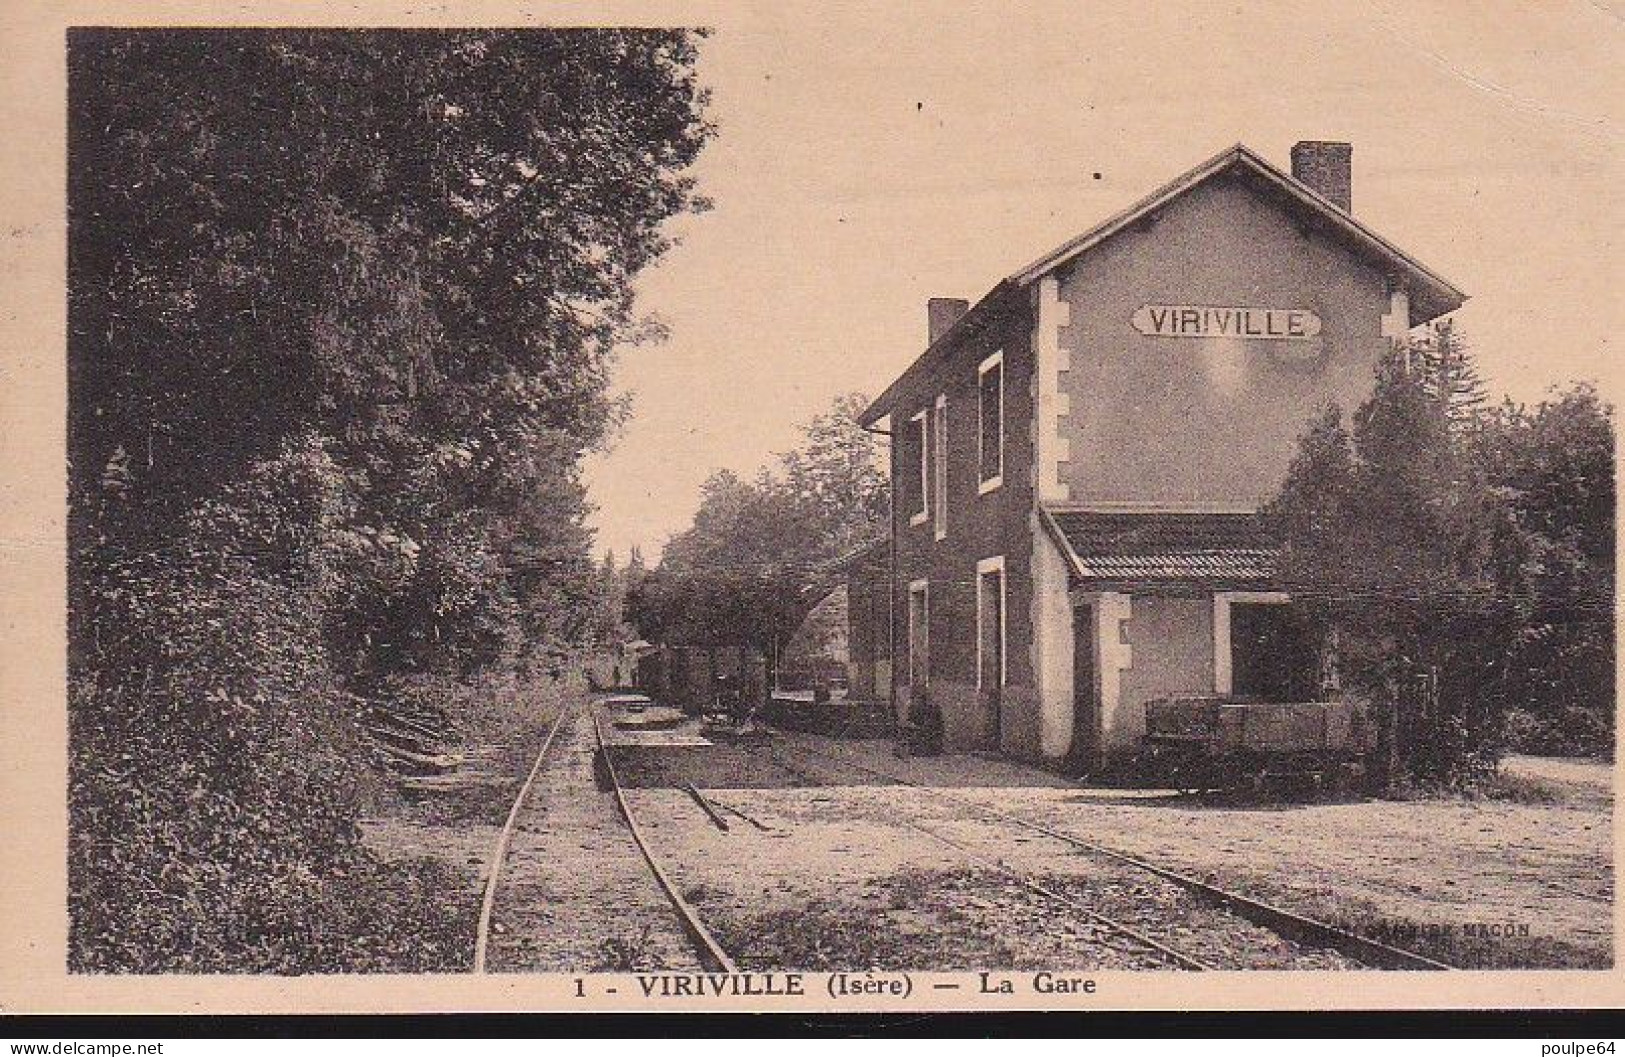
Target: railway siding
(576,895)
(1425,875)
(812,853)
(861,874)
(1147,907)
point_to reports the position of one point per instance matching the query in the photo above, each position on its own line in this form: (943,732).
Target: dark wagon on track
(1217,742)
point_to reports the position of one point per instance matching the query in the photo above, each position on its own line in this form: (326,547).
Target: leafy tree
(760,554)
(1554,465)
(348,230)
(608,624)
(836,474)
(1391,540)
(1463,559)
(739,575)
(342,310)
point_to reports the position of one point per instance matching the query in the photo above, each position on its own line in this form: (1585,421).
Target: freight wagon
(1218,742)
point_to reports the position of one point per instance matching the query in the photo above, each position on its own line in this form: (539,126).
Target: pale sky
(870,157)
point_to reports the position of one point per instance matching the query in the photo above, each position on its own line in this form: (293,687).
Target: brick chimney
(1328,169)
(941,313)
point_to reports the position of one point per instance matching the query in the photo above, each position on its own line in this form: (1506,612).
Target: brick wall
(978,526)
(1328,168)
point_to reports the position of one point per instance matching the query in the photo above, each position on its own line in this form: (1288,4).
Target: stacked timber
(412,740)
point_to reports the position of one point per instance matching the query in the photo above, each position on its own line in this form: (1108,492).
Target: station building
(1078,459)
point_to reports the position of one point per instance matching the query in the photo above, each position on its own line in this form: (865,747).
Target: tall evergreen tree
(1443,363)
(1391,541)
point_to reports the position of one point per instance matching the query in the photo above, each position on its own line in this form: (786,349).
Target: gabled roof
(1209,550)
(1437,294)
(1431,295)
(871,552)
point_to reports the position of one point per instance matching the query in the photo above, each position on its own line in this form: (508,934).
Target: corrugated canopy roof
(1208,550)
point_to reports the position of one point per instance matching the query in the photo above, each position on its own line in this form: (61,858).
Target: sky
(872,156)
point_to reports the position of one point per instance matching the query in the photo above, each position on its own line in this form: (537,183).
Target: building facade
(1078,459)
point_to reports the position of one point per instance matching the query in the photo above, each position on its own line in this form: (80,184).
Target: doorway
(919,641)
(990,648)
(1272,653)
(1085,697)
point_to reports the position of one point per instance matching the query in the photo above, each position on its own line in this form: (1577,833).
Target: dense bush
(1573,730)
(1553,466)
(342,310)
(1458,561)
(217,766)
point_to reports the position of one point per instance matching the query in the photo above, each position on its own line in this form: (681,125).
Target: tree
(1393,541)
(1443,365)
(608,622)
(837,474)
(1554,466)
(420,244)
(760,554)
(740,574)
(342,307)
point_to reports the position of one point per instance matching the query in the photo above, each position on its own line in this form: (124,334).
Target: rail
(710,950)
(1179,958)
(482,935)
(1278,919)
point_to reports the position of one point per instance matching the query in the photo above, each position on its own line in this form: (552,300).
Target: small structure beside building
(815,659)
(869,629)
(1078,461)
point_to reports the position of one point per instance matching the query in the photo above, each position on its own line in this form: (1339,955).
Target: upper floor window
(915,451)
(939,468)
(990,439)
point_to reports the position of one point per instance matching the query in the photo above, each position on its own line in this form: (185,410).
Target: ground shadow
(1218,800)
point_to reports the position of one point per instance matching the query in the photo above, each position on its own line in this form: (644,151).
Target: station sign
(1210,321)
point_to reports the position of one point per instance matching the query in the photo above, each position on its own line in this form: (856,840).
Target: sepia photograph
(874,507)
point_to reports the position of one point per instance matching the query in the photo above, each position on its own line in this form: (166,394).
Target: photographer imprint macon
(453,590)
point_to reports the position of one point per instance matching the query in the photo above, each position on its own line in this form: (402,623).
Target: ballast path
(576,894)
(1290,926)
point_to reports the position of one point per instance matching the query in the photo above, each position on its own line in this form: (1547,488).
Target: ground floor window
(990,623)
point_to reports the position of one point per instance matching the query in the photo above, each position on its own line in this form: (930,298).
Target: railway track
(575,767)
(1159,950)
(568,883)
(1290,925)
(482,935)
(706,945)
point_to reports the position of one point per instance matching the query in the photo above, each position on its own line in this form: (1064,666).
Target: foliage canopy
(1428,540)
(760,554)
(342,310)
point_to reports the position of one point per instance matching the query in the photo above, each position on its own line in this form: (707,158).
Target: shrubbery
(1569,730)
(1459,562)
(325,433)
(218,768)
